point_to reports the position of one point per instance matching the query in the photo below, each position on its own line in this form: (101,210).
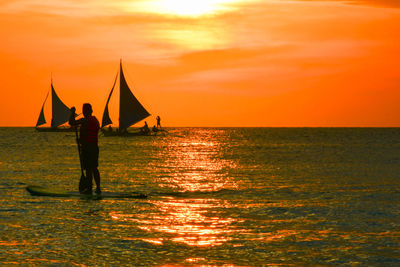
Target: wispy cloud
(377,3)
(386,3)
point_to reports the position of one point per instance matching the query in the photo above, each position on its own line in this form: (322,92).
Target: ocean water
(217,197)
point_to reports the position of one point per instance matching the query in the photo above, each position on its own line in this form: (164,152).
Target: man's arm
(72,120)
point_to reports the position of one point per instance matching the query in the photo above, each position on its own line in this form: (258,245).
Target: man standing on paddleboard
(89,152)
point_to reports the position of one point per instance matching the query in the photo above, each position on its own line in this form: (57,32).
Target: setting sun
(184,7)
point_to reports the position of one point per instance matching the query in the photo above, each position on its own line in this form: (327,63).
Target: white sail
(42,120)
(60,111)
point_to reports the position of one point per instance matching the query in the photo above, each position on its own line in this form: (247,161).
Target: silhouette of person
(145,129)
(88,139)
(158,121)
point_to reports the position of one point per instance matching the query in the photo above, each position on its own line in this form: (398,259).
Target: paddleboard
(36,190)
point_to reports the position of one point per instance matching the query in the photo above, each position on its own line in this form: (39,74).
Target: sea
(216,197)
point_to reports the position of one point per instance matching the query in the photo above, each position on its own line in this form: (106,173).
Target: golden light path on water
(191,220)
(198,157)
(194,218)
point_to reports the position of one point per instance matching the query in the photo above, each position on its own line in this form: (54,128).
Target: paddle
(83,181)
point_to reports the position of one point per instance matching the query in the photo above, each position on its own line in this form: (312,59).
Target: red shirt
(90,129)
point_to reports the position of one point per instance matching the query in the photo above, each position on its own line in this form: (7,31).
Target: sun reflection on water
(186,222)
(197,165)
(193,165)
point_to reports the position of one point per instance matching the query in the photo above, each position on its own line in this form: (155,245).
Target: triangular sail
(106,116)
(42,120)
(130,109)
(60,111)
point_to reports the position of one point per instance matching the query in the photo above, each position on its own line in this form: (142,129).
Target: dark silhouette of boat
(131,111)
(60,114)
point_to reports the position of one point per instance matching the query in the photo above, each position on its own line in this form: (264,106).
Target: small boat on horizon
(131,111)
(60,114)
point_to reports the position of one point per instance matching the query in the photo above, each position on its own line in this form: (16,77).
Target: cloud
(376,3)
(384,3)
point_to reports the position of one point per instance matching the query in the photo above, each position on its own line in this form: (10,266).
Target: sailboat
(131,111)
(60,114)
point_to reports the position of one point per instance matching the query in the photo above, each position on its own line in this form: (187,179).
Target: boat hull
(51,129)
(108,133)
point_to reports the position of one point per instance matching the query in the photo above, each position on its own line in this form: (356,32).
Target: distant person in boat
(88,139)
(145,129)
(158,122)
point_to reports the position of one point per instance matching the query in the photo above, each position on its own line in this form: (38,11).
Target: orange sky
(207,63)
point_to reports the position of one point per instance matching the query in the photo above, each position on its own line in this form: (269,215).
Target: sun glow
(186,7)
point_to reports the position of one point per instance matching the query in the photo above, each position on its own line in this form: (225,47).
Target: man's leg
(96,175)
(89,177)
